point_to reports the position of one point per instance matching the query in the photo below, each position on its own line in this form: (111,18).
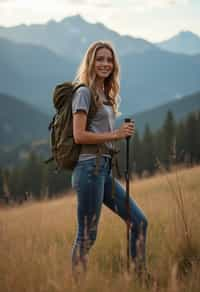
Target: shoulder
(81,99)
(83,91)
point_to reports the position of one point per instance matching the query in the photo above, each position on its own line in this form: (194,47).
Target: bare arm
(82,136)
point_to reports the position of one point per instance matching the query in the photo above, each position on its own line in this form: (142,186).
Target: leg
(90,189)
(138,220)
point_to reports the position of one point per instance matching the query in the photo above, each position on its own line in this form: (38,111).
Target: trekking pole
(127,120)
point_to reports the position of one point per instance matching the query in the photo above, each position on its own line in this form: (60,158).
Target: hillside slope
(20,122)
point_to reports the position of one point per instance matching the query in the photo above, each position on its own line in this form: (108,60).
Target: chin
(103,75)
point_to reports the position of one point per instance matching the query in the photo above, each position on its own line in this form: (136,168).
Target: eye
(101,59)
(110,60)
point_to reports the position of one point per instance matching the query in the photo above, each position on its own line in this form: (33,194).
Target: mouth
(104,71)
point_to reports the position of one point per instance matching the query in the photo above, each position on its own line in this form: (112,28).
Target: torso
(103,120)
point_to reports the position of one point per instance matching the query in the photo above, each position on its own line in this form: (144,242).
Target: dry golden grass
(36,241)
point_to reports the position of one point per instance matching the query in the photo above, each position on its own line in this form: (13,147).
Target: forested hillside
(20,122)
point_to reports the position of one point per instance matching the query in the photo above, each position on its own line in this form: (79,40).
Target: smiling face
(103,64)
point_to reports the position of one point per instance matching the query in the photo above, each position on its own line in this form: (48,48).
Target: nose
(105,63)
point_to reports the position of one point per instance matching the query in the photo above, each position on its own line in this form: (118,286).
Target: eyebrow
(100,56)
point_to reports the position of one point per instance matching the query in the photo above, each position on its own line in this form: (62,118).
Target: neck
(100,84)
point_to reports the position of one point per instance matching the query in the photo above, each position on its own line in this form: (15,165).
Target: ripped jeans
(93,190)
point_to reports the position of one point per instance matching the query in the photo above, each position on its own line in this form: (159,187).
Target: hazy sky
(153,20)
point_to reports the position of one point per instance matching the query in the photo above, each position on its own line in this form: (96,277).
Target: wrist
(115,135)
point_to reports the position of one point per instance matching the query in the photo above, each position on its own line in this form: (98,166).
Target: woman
(99,71)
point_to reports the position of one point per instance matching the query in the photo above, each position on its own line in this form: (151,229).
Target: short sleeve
(81,100)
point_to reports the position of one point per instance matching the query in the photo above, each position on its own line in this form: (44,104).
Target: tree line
(173,143)
(33,180)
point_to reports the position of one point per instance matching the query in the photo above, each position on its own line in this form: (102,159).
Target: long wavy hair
(86,74)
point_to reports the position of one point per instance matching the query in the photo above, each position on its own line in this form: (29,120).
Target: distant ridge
(30,72)
(155,116)
(20,122)
(185,42)
(72,35)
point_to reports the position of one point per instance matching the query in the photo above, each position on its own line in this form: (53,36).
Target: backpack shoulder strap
(77,85)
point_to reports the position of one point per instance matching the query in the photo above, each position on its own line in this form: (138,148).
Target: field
(36,240)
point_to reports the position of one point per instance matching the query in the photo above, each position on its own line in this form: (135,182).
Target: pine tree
(192,138)
(14,184)
(158,144)
(137,154)
(198,137)
(148,150)
(180,142)
(56,182)
(6,186)
(168,139)
(1,183)
(33,176)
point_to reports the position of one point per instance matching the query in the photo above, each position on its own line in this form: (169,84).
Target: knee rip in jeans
(143,225)
(90,231)
(140,246)
(139,227)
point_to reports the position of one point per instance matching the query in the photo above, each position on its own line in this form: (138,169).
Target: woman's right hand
(126,130)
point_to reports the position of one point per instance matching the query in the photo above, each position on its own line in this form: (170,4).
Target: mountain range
(34,58)
(72,36)
(185,42)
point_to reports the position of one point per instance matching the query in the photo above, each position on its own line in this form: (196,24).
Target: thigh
(90,189)
(117,203)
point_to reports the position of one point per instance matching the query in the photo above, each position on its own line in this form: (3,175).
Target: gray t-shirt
(103,120)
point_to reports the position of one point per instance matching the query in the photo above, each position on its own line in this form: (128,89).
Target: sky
(153,20)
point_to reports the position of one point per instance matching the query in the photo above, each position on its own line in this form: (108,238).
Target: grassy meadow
(36,240)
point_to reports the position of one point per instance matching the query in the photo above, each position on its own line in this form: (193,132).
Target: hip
(92,169)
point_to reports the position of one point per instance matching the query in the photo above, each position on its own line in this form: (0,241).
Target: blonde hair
(86,74)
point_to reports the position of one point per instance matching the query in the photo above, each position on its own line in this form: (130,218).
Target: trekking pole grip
(127,120)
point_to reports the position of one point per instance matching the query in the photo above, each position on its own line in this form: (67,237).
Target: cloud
(7,1)
(145,4)
(98,3)
(132,4)
(152,3)
(162,3)
(76,2)
(151,19)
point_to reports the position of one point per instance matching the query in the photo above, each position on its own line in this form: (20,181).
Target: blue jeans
(93,190)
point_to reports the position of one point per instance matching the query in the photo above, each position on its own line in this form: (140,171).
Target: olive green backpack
(65,151)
